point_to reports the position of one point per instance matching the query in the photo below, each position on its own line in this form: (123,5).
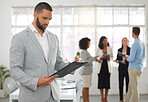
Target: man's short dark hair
(42,5)
(83,43)
(136,30)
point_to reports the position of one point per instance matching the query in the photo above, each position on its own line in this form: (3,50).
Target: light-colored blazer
(28,64)
(85,56)
(99,53)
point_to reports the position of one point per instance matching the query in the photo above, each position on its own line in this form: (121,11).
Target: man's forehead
(46,11)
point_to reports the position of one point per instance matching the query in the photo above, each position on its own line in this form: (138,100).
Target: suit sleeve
(17,56)
(84,58)
(111,56)
(118,57)
(98,54)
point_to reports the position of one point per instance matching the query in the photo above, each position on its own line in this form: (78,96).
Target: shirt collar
(31,26)
(136,39)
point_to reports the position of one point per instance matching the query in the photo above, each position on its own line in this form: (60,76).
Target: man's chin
(43,29)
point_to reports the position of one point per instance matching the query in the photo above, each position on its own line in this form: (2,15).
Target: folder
(120,61)
(105,55)
(121,54)
(69,68)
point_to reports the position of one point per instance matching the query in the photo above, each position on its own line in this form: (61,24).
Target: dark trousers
(123,74)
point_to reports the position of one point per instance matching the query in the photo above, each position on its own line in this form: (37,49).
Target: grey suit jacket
(85,56)
(28,64)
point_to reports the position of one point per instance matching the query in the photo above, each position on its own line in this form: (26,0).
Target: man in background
(135,68)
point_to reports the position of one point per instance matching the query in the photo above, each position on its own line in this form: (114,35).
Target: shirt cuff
(34,84)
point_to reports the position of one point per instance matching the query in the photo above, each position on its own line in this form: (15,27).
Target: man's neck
(136,37)
(39,30)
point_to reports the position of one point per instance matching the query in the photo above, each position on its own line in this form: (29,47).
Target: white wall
(5,34)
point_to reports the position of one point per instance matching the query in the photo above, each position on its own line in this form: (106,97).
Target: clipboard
(121,54)
(69,68)
(120,61)
(105,55)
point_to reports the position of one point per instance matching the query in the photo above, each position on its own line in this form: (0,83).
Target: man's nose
(47,21)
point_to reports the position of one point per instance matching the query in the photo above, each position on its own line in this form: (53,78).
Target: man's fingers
(46,80)
(52,77)
(45,76)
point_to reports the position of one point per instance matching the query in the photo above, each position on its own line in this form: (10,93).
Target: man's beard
(39,25)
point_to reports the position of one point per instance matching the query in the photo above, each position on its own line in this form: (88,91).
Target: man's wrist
(38,84)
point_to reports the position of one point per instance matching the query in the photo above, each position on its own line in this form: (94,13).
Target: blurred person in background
(104,67)
(86,71)
(123,66)
(136,58)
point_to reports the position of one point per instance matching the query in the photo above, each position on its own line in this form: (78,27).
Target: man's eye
(44,18)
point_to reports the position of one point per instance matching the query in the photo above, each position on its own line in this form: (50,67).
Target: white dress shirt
(43,40)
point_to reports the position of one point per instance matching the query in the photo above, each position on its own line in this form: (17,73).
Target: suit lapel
(36,42)
(49,43)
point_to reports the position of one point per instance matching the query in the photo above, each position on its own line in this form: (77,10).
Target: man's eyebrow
(47,18)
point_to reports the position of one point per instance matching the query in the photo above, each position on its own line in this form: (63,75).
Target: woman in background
(104,68)
(123,66)
(86,70)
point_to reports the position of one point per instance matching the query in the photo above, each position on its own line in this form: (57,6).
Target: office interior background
(75,19)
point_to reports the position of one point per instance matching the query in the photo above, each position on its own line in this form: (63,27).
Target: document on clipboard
(69,68)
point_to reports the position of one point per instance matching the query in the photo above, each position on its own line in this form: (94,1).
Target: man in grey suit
(34,55)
